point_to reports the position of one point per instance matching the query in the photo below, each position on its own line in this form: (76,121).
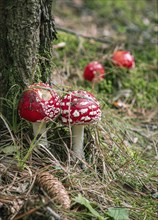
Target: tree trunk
(26,34)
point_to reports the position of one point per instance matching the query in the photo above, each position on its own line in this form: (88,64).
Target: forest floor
(121,179)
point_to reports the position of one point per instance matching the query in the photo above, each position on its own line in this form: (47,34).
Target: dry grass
(117,173)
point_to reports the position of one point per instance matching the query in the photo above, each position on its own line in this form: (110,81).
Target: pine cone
(9,206)
(54,188)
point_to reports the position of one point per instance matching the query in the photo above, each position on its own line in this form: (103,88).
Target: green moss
(142,81)
(127,12)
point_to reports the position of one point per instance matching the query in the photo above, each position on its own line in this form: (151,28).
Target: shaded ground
(126,21)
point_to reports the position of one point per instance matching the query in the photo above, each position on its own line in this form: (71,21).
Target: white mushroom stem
(39,130)
(77,140)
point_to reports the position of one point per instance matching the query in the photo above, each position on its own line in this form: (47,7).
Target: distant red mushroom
(79,108)
(124,59)
(94,72)
(39,103)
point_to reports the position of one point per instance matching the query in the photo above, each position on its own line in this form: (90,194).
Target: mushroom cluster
(39,103)
(79,108)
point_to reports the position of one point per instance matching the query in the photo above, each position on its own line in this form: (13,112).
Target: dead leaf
(60,45)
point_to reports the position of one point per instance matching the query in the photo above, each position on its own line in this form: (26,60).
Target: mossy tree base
(27,31)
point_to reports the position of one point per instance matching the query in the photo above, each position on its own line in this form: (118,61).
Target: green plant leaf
(85,202)
(9,149)
(118,213)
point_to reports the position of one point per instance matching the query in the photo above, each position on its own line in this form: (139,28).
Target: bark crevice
(27,31)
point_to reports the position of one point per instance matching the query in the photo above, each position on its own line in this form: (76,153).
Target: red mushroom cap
(123,58)
(94,70)
(39,102)
(80,107)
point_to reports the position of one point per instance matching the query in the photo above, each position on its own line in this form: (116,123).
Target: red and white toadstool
(79,108)
(123,58)
(94,72)
(39,103)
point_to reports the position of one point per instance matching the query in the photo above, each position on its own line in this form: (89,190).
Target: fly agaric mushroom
(39,103)
(123,58)
(94,72)
(79,108)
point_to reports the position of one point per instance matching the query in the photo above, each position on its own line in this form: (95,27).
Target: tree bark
(26,34)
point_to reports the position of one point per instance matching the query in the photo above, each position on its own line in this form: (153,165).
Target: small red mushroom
(39,103)
(123,58)
(79,108)
(94,72)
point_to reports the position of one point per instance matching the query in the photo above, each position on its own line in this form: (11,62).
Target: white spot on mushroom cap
(87,118)
(40,94)
(83,103)
(92,106)
(64,120)
(37,99)
(49,110)
(68,96)
(68,103)
(84,110)
(76,113)
(128,56)
(82,118)
(88,97)
(65,111)
(57,111)
(93,113)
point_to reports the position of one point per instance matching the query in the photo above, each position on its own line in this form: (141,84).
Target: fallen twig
(66,30)
(105,41)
